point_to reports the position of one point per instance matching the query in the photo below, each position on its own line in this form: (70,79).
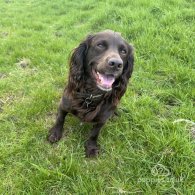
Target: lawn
(148,149)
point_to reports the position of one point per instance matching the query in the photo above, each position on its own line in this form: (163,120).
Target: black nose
(115,62)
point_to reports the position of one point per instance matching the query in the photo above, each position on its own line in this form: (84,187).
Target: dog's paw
(54,135)
(91,150)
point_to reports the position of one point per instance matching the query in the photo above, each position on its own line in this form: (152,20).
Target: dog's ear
(128,68)
(121,85)
(77,63)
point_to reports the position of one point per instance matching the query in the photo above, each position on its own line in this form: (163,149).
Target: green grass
(143,151)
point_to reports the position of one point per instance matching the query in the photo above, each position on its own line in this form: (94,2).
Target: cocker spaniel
(100,68)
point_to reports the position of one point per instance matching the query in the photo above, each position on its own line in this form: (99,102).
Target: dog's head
(106,58)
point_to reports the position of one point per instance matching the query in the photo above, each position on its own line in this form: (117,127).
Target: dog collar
(89,97)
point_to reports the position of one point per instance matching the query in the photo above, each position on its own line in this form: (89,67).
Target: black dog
(100,68)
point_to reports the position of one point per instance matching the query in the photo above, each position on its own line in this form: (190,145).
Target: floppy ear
(126,74)
(77,59)
(128,68)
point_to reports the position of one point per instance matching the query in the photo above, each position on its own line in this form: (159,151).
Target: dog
(100,69)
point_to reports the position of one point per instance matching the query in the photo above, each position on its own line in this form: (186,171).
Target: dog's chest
(97,113)
(94,109)
(89,108)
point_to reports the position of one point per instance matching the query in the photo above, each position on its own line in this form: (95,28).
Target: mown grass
(143,151)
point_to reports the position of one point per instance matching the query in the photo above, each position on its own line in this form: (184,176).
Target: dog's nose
(115,62)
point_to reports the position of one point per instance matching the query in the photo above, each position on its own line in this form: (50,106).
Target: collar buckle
(89,100)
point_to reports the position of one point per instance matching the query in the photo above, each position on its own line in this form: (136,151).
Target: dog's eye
(100,45)
(123,51)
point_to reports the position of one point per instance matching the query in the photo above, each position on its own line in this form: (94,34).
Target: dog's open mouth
(104,81)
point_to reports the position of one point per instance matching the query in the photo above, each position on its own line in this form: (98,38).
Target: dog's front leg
(55,133)
(91,146)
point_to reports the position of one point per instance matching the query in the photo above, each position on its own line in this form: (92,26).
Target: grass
(143,151)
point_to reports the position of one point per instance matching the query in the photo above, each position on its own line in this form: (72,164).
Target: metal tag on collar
(88,100)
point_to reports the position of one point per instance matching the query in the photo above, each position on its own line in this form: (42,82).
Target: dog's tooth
(99,76)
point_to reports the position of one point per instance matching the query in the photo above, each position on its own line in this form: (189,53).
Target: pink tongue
(106,80)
